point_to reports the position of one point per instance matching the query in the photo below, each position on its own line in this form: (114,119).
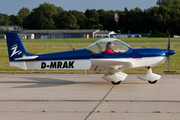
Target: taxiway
(87,96)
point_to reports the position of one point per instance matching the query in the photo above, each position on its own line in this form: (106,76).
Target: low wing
(111,65)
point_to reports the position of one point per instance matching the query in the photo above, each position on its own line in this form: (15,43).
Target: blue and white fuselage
(91,57)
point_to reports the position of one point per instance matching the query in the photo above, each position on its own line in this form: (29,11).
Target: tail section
(16,48)
(17,52)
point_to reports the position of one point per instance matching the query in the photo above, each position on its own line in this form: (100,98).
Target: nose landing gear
(151,77)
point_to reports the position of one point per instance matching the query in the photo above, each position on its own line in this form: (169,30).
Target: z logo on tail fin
(14,48)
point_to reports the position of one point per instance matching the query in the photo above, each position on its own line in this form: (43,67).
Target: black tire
(117,83)
(152,82)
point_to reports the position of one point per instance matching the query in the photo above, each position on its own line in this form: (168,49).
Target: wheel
(152,82)
(117,83)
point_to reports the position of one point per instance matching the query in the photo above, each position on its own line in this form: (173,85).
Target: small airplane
(98,56)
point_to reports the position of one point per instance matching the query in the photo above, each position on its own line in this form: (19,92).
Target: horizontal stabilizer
(27,58)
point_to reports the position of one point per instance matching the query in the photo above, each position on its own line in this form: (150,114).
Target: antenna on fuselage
(68,44)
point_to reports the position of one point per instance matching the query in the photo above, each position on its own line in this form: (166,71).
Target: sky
(11,7)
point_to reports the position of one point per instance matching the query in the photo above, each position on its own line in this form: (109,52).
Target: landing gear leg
(151,82)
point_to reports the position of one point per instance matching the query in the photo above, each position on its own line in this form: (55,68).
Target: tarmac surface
(87,96)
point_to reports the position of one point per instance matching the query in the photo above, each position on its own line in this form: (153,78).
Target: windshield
(101,45)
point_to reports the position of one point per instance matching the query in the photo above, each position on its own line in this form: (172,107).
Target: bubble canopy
(100,46)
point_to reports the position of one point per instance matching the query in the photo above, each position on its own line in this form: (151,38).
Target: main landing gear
(115,78)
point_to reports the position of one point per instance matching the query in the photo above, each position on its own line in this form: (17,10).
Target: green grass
(40,49)
(91,40)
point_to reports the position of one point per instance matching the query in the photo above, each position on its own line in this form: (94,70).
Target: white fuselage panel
(53,65)
(101,64)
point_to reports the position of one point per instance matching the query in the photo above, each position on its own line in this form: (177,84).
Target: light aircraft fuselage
(92,57)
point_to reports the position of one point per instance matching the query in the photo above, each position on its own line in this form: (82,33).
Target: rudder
(15,46)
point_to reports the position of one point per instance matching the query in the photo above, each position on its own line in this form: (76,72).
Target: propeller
(168,59)
(169,52)
(168,48)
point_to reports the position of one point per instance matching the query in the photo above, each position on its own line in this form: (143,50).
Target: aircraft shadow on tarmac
(43,82)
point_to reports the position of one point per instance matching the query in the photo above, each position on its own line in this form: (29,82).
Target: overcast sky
(13,6)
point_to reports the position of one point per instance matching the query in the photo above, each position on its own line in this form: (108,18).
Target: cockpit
(101,45)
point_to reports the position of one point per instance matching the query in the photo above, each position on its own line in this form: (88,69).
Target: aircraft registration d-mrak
(107,54)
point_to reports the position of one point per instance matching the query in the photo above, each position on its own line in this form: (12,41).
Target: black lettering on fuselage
(71,64)
(53,65)
(57,65)
(43,65)
(65,65)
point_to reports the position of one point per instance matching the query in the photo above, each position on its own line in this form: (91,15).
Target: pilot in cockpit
(109,48)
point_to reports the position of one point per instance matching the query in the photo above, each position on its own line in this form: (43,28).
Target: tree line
(161,19)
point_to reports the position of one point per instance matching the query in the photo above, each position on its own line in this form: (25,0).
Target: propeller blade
(169,52)
(168,47)
(168,60)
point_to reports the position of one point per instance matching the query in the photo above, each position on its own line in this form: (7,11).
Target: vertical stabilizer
(16,48)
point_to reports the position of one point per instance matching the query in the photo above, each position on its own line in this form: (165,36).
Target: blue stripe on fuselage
(85,54)
(66,55)
(150,52)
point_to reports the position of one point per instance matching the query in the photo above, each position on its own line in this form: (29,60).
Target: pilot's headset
(108,44)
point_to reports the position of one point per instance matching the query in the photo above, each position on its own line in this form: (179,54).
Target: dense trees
(169,3)
(42,17)
(4,19)
(161,19)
